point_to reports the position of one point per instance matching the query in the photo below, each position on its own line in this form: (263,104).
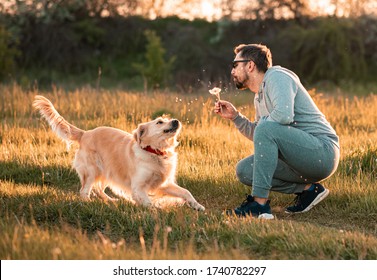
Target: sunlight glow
(216,9)
(324,6)
(210,10)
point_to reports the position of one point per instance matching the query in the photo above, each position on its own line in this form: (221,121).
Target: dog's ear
(139,132)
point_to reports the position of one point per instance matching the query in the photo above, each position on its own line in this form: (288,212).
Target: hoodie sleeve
(245,126)
(281,91)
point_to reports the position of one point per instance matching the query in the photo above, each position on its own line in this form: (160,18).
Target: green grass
(43,217)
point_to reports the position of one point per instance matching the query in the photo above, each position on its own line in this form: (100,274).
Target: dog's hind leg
(174,190)
(85,166)
(87,179)
(86,187)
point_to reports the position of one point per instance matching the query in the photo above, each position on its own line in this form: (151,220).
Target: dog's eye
(160,122)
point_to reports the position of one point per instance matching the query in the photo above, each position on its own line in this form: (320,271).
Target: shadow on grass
(54,176)
(119,220)
(63,202)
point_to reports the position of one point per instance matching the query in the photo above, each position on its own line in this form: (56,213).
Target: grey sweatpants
(286,159)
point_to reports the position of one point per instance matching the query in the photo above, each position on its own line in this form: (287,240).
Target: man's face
(239,72)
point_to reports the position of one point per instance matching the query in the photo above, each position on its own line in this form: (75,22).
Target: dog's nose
(175,123)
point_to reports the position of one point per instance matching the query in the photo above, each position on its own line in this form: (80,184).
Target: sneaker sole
(266,216)
(317,200)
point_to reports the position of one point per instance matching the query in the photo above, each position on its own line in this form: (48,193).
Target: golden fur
(140,166)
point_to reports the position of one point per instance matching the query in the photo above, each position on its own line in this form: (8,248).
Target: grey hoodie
(283,99)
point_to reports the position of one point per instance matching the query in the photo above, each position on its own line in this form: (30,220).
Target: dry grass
(42,216)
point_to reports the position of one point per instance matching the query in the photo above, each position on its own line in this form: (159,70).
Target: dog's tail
(59,125)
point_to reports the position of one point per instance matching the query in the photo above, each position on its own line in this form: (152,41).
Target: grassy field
(43,217)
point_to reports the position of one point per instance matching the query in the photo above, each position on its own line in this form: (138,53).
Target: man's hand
(225,109)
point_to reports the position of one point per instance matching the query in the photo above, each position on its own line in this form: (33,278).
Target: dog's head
(160,134)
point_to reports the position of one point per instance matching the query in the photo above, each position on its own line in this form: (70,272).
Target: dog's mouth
(171,130)
(174,127)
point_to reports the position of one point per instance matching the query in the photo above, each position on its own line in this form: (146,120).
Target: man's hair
(259,54)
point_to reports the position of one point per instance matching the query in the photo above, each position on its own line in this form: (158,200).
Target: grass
(43,217)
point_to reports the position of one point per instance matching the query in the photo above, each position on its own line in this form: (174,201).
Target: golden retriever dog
(140,166)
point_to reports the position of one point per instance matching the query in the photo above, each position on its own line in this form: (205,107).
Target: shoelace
(297,199)
(246,201)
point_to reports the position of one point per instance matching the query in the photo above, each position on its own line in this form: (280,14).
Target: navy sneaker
(253,208)
(308,199)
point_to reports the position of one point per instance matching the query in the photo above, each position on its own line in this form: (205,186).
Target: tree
(275,9)
(156,72)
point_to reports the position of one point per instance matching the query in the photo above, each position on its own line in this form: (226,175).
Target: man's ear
(138,133)
(251,65)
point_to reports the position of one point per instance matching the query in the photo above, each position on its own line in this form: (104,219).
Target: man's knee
(265,129)
(244,171)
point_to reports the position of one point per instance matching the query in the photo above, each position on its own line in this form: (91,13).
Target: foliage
(331,50)
(8,53)
(70,40)
(157,71)
(43,217)
(271,9)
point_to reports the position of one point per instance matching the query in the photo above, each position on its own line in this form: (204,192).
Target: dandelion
(215,91)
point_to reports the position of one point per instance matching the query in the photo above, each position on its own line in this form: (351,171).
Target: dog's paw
(85,196)
(197,206)
(201,208)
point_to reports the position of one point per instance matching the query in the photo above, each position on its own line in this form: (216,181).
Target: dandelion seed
(215,91)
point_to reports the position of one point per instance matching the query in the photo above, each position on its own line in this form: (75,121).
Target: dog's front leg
(140,193)
(174,190)
(99,190)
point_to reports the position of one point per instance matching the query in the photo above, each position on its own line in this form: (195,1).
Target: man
(294,145)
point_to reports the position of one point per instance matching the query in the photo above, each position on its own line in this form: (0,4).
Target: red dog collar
(153,151)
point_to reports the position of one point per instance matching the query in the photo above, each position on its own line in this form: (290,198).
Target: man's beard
(239,84)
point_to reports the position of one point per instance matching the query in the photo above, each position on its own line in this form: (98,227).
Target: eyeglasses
(235,62)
